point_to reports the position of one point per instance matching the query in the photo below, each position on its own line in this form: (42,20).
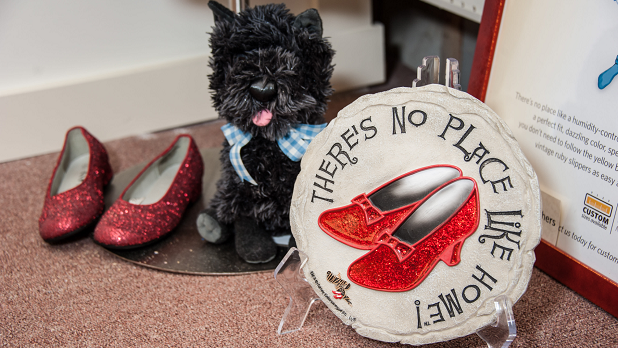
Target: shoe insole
(156,186)
(75,173)
(435,211)
(412,188)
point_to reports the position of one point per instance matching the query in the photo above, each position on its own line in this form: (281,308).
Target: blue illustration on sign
(608,75)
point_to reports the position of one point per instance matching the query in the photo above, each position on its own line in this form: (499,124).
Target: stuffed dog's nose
(262,91)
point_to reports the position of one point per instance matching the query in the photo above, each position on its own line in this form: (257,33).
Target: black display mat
(184,250)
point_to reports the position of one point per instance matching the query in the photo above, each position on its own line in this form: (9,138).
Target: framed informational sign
(549,68)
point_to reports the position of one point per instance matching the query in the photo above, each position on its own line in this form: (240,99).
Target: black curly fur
(263,43)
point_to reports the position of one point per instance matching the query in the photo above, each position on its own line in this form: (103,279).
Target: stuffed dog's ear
(309,20)
(221,12)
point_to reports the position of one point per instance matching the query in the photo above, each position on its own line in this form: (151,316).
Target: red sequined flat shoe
(74,197)
(154,202)
(383,209)
(435,230)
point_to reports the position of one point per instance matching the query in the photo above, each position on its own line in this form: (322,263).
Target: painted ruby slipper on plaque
(153,203)
(383,209)
(74,197)
(435,230)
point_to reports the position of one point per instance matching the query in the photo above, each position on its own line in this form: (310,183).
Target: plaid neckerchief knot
(294,144)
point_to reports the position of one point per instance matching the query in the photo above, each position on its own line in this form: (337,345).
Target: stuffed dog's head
(271,70)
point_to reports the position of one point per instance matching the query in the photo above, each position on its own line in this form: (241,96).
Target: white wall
(470,9)
(126,67)
(50,43)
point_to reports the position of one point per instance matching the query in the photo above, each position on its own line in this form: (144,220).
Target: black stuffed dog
(270,82)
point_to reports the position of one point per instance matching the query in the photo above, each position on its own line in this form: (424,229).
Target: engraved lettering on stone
(503,222)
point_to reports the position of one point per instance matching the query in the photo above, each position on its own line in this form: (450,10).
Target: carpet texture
(78,295)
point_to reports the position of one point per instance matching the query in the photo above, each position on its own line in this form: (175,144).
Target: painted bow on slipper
(294,144)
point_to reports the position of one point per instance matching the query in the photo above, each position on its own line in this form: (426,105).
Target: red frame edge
(580,278)
(485,48)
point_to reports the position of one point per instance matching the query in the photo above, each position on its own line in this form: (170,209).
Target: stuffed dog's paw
(210,229)
(253,243)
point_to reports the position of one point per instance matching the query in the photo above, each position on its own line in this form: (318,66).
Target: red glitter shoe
(74,197)
(435,230)
(383,209)
(154,202)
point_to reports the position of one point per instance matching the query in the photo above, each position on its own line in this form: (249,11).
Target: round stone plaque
(416,208)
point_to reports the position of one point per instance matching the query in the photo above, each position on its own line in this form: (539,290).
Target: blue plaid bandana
(294,144)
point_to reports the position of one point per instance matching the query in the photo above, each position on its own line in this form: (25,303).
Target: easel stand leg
(290,276)
(503,331)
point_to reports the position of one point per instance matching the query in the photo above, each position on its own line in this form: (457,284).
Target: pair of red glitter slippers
(409,224)
(149,207)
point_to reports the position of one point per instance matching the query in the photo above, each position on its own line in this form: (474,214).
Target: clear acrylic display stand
(429,72)
(290,276)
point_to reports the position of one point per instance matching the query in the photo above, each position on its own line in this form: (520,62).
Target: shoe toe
(57,227)
(53,228)
(348,225)
(379,270)
(111,236)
